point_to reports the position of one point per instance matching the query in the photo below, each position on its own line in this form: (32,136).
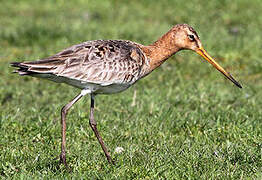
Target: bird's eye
(191,37)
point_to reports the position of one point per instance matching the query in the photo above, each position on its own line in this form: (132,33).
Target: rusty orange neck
(159,51)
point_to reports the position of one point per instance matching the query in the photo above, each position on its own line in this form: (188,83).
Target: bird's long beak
(201,51)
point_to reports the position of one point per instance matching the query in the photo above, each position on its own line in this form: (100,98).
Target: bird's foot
(110,160)
(63,160)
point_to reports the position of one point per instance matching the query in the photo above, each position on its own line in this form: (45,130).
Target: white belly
(98,88)
(92,87)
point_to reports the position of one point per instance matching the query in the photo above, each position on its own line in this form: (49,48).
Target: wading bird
(111,66)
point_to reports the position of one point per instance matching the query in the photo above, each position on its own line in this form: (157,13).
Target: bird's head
(185,37)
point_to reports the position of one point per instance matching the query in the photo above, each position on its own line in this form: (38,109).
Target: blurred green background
(186,122)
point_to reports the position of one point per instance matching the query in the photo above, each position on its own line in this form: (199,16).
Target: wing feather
(100,62)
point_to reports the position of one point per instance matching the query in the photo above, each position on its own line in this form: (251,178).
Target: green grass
(188,121)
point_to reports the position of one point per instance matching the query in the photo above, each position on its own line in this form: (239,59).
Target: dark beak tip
(239,85)
(234,81)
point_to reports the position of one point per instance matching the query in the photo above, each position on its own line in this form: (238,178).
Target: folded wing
(101,62)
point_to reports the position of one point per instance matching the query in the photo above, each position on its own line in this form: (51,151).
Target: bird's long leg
(92,123)
(63,124)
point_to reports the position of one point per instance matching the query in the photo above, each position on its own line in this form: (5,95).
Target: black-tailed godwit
(111,66)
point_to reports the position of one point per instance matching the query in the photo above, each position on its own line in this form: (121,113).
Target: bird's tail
(22,69)
(35,67)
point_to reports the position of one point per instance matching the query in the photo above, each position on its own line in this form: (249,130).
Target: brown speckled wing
(101,62)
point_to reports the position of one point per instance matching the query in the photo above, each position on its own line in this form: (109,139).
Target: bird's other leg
(63,124)
(92,123)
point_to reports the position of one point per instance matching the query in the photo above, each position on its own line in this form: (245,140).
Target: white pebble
(118,150)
